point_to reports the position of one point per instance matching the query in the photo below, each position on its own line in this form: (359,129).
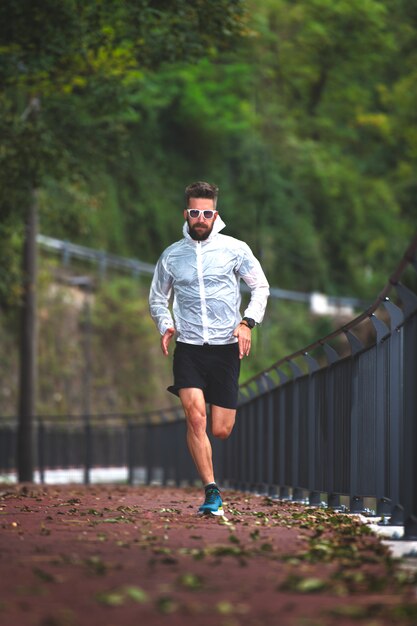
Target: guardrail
(345,427)
(68,442)
(348,427)
(104,261)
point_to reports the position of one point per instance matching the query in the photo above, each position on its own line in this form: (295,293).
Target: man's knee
(222,421)
(196,418)
(194,409)
(197,423)
(222,431)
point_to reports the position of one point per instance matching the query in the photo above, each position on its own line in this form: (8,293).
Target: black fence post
(41,451)
(243,469)
(250,445)
(333,499)
(88,452)
(130,446)
(282,450)
(166,448)
(409,447)
(259,422)
(270,442)
(356,501)
(179,439)
(382,332)
(297,493)
(149,441)
(314,496)
(396,378)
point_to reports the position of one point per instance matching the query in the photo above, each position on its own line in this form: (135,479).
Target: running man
(203,271)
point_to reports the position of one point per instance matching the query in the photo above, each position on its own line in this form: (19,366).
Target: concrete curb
(391,536)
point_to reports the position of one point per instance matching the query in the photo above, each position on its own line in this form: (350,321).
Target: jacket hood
(204,279)
(217,227)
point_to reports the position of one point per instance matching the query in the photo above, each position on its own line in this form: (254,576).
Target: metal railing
(348,427)
(342,428)
(104,261)
(87,442)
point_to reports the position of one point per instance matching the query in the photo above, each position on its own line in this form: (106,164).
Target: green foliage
(69,77)
(303,113)
(10,274)
(121,319)
(288,326)
(306,123)
(327,68)
(128,371)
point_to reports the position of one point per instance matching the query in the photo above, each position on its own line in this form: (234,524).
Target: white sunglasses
(194,213)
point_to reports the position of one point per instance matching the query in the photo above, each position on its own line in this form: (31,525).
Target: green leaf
(225,608)
(166,604)
(311,585)
(111,598)
(191,581)
(267,547)
(351,610)
(43,575)
(137,594)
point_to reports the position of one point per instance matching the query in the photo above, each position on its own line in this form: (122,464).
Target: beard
(199,231)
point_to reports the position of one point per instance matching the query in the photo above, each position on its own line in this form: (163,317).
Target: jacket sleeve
(251,272)
(159,297)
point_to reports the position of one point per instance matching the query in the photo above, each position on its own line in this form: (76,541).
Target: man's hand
(243,333)
(166,338)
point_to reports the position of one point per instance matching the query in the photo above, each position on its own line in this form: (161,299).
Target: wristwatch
(249,322)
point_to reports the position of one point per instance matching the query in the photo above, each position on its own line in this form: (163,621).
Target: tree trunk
(28,349)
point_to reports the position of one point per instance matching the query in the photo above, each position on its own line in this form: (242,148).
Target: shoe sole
(218,513)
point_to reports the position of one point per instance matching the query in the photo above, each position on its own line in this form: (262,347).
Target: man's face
(200,227)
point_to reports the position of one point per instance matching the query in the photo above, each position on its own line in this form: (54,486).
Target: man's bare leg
(222,422)
(194,406)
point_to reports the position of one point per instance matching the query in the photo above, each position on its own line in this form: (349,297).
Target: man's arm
(165,340)
(251,272)
(159,295)
(244,337)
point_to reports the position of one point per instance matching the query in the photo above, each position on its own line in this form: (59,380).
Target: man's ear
(185,214)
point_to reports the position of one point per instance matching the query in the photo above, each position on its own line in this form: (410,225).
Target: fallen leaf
(137,594)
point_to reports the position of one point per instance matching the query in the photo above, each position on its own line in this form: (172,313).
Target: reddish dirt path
(126,556)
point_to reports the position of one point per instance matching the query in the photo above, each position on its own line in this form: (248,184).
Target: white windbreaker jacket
(205,277)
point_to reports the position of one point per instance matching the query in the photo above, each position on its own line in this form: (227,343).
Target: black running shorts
(214,369)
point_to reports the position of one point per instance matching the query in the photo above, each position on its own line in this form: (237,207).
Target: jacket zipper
(204,318)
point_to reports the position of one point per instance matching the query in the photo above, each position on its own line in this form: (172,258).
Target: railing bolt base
(397,516)
(314,498)
(284,493)
(356,504)
(333,502)
(410,529)
(383,506)
(298,495)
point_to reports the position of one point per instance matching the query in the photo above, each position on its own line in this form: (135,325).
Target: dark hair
(201,189)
